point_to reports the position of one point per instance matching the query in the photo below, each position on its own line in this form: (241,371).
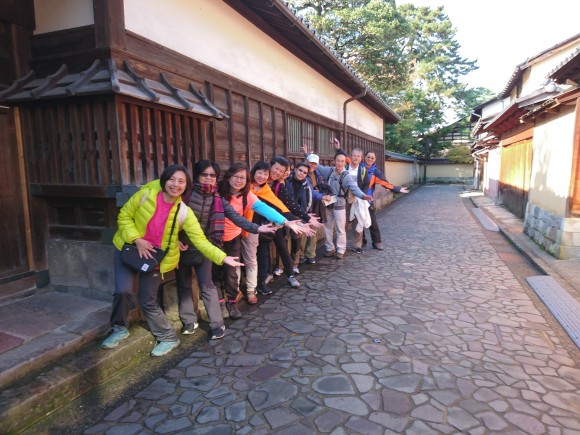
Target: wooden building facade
(92,108)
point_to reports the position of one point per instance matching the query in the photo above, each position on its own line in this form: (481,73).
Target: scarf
(215,233)
(265,193)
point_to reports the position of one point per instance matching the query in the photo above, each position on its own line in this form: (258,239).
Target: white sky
(500,34)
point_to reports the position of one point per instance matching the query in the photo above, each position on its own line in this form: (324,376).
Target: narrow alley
(436,334)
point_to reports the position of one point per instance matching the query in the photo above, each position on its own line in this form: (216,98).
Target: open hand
(295,226)
(267,228)
(232,261)
(404,190)
(144,247)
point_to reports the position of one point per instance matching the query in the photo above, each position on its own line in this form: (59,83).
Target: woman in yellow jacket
(146,220)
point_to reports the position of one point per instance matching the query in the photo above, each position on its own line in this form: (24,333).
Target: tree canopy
(408,54)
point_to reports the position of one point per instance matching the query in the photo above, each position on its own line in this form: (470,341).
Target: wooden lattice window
(299,133)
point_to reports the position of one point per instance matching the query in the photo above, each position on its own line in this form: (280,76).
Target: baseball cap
(313,158)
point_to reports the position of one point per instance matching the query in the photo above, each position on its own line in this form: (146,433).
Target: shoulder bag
(130,253)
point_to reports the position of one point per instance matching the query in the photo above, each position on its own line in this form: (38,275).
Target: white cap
(313,158)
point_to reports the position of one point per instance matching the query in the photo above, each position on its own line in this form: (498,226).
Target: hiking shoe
(224,310)
(303,260)
(218,333)
(252,298)
(164,347)
(339,256)
(269,279)
(119,334)
(296,270)
(330,253)
(357,250)
(311,260)
(293,282)
(378,247)
(264,289)
(189,329)
(232,307)
(278,272)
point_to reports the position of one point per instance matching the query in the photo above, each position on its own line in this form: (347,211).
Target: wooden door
(516,171)
(15,273)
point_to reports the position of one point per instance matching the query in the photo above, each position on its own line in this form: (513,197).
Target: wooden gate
(516,170)
(15,273)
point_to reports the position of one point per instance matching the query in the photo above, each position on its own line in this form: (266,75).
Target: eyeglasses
(205,174)
(239,177)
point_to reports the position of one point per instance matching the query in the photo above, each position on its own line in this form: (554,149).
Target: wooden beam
(109,23)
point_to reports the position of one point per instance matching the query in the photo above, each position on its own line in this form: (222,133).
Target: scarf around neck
(266,194)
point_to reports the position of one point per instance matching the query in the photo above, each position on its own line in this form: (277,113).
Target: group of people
(223,229)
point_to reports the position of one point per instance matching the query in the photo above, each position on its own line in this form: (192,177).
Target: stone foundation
(558,235)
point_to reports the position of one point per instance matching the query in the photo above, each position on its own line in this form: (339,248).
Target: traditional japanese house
(98,96)
(537,137)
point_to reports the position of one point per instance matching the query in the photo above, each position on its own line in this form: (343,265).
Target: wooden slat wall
(12,208)
(71,143)
(153,138)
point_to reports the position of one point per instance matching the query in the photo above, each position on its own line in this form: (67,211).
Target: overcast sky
(500,34)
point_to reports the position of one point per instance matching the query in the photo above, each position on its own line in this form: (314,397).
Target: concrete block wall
(557,235)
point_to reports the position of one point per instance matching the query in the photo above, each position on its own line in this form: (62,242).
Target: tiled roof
(102,78)
(391,155)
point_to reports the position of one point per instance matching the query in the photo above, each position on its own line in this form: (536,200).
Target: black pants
(264,255)
(226,276)
(374,228)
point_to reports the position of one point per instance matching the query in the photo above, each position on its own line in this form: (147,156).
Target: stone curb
(525,247)
(28,401)
(47,349)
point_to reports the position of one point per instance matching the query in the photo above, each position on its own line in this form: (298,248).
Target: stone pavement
(433,335)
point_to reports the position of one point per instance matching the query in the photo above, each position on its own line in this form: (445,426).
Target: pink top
(231,230)
(156,225)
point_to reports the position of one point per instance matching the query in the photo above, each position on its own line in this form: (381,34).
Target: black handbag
(130,254)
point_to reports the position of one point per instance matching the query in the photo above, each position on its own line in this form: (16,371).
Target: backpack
(347,194)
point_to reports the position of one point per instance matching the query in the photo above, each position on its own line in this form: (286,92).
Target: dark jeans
(374,228)
(148,301)
(264,255)
(227,276)
(209,294)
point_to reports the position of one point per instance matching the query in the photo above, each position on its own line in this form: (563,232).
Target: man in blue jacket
(376,177)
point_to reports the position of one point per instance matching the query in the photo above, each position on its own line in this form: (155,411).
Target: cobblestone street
(433,335)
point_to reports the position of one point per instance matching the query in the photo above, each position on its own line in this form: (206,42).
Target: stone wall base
(558,235)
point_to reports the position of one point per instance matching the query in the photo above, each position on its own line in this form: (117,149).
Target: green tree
(459,154)
(408,54)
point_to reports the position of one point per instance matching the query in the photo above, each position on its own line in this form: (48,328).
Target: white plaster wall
(400,173)
(53,15)
(214,34)
(540,70)
(461,170)
(552,162)
(492,109)
(492,172)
